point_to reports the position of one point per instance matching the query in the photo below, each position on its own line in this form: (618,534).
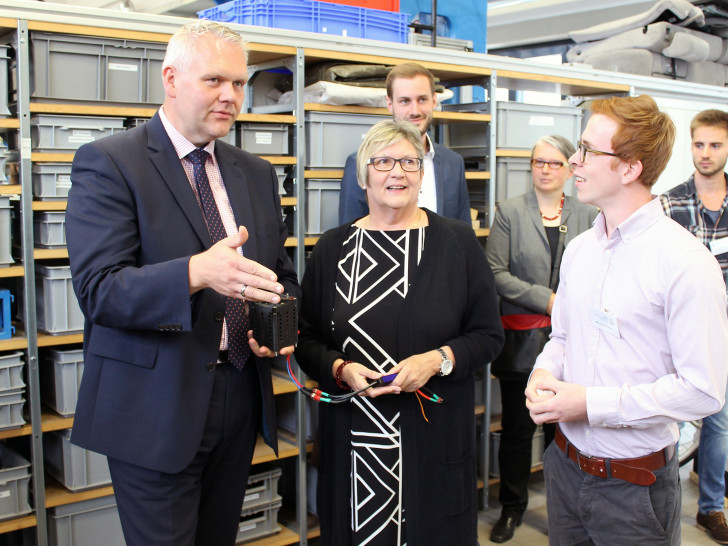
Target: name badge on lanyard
(719,246)
(604,321)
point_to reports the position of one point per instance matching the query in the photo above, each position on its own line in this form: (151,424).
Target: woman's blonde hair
(382,135)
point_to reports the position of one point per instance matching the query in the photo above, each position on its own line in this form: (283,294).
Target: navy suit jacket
(132,224)
(450,187)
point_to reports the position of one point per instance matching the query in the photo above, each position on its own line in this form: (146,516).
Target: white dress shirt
(428,191)
(667,359)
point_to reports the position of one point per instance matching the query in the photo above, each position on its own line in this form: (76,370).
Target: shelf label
(252,496)
(63,181)
(542,121)
(4,494)
(80,137)
(264,138)
(25,147)
(124,67)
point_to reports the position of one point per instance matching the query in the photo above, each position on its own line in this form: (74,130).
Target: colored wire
(422,409)
(321,396)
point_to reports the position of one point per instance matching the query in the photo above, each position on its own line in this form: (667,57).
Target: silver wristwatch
(446,364)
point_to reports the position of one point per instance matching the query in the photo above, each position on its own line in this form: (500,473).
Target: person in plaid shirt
(700,206)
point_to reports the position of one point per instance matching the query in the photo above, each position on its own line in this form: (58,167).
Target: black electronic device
(275,325)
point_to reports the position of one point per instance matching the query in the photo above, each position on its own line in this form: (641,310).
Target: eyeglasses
(583,149)
(541,163)
(408,164)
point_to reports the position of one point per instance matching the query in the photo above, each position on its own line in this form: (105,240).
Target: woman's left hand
(413,372)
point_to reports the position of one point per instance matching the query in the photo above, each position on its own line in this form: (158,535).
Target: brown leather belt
(637,471)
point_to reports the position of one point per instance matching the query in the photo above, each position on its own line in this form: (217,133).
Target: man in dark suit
(411,96)
(170,392)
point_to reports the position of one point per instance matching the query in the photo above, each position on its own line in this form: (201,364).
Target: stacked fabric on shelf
(344,84)
(659,43)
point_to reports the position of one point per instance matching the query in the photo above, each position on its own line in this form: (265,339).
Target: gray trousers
(587,510)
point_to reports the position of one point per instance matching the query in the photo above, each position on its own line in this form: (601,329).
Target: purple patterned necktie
(236,310)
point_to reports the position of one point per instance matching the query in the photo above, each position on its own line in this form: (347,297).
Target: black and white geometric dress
(374,274)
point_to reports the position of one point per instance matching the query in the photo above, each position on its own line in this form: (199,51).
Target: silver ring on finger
(242,290)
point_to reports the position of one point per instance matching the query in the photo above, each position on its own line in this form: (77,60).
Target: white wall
(680,166)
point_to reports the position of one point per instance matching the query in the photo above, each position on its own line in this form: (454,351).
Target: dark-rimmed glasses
(583,150)
(408,164)
(541,163)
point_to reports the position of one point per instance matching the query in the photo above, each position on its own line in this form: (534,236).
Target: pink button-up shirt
(668,361)
(183,147)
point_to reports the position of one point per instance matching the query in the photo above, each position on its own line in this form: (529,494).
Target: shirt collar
(431,148)
(690,189)
(181,145)
(641,220)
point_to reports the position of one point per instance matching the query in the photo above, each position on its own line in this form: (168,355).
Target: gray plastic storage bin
(75,467)
(60,379)
(322,205)
(51,133)
(264,138)
(11,371)
(232,136)
(519,125)
(49,229)
(259,522)
(14,478)
(51,181)
(282,175)
(4,110)
(11,409)
(98,69)
(87,523)
(6,236)
(332,136)
(470,140)
(262,488)
(58,309)
(8,159)
(512,177)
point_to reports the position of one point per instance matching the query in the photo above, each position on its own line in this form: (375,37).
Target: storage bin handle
(226,15)
(84,127)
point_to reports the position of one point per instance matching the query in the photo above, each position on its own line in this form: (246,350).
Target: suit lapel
(565,218)
(238,190)
(164,157)
(439,177)
(535,213)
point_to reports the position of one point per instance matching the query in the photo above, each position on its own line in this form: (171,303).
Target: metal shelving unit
(269,47)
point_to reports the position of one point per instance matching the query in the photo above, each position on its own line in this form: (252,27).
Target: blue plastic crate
(313,16)
(6,329)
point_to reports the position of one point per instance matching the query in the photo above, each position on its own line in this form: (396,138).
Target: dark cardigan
(452,301)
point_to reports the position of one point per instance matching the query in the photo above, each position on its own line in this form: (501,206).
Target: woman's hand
(358,376)
(413,372)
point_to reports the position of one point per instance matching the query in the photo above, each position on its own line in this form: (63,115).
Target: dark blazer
(132,224)
(451,301)
(450,186)
(519,254)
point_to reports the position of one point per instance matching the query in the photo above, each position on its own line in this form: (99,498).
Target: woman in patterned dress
(400,291)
